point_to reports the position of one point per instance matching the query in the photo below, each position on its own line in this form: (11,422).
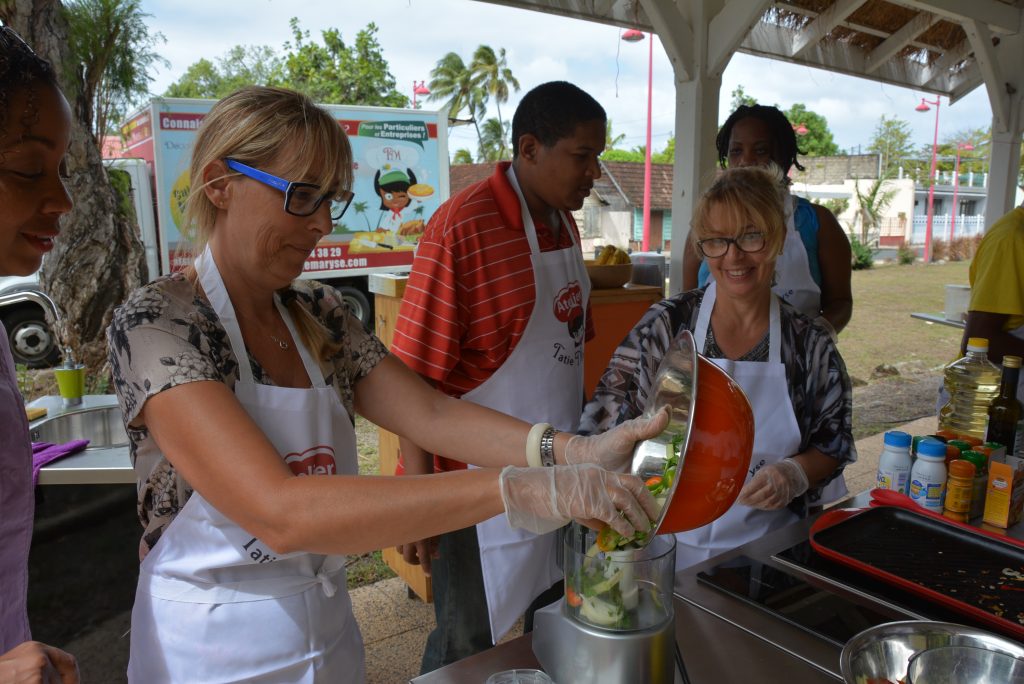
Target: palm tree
(871,205)
(360,209)
(493,145)
(453,82)
(491,72)
(610,140)
(462,156)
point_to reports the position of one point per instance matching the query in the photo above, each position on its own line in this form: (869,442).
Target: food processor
(615,623)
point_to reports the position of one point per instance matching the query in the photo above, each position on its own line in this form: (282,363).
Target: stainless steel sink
(102,426)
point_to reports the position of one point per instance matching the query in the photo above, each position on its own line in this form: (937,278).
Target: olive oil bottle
(1005,413)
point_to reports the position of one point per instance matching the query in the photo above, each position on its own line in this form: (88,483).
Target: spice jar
(959,490)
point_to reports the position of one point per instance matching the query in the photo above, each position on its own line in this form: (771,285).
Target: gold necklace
(280,343)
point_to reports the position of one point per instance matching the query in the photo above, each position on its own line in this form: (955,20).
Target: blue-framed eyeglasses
(300,199)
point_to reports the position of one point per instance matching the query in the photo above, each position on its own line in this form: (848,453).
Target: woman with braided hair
(813,271)
(35,126)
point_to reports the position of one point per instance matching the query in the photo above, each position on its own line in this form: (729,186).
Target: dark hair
(552,111)
(781,130)
(20,68)
(393,186)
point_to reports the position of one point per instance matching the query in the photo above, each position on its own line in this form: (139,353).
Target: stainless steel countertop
(92,466)
(722,638)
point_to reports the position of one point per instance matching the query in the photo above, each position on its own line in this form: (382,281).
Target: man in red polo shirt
(496,311)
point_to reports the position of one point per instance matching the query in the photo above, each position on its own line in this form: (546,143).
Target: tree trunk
(98,258)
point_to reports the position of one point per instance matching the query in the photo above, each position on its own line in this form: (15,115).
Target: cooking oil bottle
(972,383)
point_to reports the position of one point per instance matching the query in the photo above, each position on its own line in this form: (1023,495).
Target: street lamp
(967,147)
(418,88)
(635,36)
(923,107)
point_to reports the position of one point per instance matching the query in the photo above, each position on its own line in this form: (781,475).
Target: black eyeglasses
(715,247)
(300,199)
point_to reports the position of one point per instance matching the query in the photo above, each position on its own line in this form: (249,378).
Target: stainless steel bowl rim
(891,630)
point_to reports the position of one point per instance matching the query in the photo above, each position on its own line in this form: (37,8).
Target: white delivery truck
(400,161)
(401,177)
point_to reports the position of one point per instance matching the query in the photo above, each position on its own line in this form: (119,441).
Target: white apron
(214,603)
(776,436)
(793,281)
(540,381)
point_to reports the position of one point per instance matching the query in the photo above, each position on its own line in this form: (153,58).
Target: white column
(1004,165)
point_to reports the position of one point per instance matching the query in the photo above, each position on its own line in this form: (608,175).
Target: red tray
(956,565)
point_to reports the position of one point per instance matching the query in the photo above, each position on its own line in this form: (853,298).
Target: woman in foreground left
(35,127)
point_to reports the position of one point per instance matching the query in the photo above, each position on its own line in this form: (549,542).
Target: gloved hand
(541,500)
(774,486)
(613,449)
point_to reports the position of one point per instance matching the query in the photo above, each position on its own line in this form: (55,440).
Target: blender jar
(623,590)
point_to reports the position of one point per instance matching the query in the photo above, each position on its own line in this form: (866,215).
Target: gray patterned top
(819,387)
(165,334)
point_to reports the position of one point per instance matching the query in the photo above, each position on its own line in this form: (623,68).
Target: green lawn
(882,331)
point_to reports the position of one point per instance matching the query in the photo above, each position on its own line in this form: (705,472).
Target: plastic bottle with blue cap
(895,462)
(928,476)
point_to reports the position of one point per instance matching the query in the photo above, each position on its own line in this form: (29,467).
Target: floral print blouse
(818,384)
(167,334)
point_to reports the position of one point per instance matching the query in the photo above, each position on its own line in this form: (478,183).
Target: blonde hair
(750,196)
(256,125)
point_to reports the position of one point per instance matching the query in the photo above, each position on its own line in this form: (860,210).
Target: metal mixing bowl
(883,652)
(964,665)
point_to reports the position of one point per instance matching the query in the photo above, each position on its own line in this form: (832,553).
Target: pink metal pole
(646,244)
(956,184)
(931,183)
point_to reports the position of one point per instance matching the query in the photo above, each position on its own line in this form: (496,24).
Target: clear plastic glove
(541,500)
(613,449)
(774,486)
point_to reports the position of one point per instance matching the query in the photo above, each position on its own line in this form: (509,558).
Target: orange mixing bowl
(716,455)
(714,418)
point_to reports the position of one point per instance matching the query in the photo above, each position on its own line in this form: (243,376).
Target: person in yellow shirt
(996,311)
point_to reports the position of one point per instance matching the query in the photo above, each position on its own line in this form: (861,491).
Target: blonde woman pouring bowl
(239,385)
(786,363)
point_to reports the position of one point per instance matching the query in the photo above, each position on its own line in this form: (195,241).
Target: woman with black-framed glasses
(240,384)
(786,363)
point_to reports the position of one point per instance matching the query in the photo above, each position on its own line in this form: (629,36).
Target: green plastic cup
(70,382)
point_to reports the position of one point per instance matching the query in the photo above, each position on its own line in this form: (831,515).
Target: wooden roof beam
(998,16)
(728,28)
(899,40)
(940,67)
(984,53)
(822,25)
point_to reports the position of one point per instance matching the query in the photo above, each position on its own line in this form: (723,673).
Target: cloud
(414,34)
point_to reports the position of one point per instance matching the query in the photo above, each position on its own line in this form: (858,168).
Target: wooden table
(615,313)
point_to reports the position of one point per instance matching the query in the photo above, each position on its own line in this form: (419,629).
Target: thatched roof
(927,45)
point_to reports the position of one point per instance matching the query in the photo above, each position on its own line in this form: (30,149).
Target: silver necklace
(280,343)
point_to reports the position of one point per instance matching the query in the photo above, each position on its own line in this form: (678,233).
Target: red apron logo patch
(568,308)
(318,460)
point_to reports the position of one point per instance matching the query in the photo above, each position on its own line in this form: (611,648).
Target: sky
(415,34)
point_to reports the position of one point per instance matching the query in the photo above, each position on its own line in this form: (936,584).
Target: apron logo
(568,308)
(318,460)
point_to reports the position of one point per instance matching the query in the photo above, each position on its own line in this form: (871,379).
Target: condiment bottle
(895,463)
(1005,413)
(972,383)
(959,490)
(980,460)
(928,476)
(960,445)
